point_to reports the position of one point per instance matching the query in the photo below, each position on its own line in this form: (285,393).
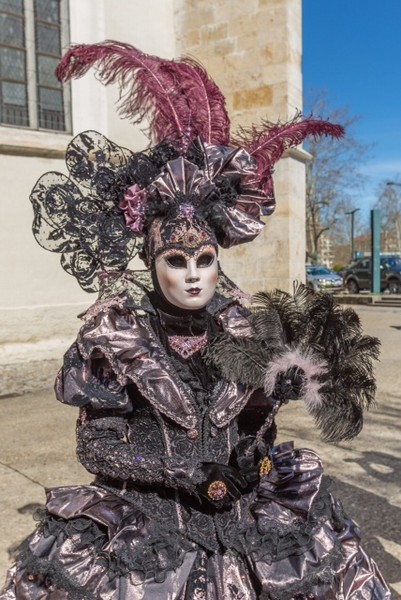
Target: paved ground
(37,450)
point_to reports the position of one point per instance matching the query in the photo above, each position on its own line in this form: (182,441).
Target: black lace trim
(51,574)
(164,550)
(161,551)
(277,543)
(158,554)
(322,575)
(290,541)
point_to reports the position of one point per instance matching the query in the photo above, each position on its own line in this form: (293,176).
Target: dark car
(321,278)
(358,275)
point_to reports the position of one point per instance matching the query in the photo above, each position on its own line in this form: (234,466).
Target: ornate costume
(191,498)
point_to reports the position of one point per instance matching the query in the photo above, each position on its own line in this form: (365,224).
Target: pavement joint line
(23,475)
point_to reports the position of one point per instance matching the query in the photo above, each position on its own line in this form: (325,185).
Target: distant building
(323,253)
(252,50)
(325,250)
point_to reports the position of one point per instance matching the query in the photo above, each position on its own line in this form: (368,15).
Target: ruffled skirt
(92,544)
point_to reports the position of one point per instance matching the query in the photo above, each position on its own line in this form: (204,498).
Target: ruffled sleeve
(92,372)
(91,381)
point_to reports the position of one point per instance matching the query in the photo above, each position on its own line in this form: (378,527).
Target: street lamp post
(352,213)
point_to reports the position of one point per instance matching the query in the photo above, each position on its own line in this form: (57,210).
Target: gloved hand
(289,384)
(222,485)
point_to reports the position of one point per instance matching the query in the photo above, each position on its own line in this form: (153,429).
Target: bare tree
(389,204)
(331,175)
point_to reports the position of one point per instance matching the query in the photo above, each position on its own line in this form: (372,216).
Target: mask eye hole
(176,261)
(206,259)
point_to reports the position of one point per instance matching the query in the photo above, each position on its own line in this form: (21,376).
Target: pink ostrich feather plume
(268,141)
(177,97)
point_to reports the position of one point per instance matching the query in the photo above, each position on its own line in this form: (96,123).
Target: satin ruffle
(93,544)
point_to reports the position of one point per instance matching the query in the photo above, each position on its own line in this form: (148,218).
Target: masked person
(191,499)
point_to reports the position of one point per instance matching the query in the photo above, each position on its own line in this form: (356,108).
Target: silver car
(323,279)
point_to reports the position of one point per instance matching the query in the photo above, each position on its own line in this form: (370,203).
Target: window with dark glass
(13,73)
(32,35)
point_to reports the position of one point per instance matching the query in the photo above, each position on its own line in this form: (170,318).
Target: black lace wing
(79,215)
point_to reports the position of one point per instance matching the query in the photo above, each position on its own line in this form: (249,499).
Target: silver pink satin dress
(139,531)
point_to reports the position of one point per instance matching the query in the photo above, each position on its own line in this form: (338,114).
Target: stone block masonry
(253,51)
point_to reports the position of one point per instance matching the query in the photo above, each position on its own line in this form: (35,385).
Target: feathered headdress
(229,177)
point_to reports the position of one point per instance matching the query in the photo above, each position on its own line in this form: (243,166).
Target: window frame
(32,74)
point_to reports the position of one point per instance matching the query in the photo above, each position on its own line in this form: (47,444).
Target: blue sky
(352,49)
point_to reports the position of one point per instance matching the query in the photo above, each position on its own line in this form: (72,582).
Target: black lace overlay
(50,575)
(197,583)
(103,448)
(148,558)
(273,541)
(78,215)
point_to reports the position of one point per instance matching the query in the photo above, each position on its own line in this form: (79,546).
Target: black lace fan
(306,333)
(78,216)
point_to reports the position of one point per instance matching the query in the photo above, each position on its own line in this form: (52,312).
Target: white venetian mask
(188,281)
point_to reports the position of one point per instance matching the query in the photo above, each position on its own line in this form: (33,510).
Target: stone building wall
(254,51)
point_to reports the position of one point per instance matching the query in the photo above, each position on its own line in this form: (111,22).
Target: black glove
(222,485)
(289,384)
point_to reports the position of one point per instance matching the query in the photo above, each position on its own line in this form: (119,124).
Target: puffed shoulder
(134,354)
(90,381)
(236,321)
(117,334)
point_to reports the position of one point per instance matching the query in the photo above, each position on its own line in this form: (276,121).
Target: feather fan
(311,333)
(239,359)
(177,97)
(279,308)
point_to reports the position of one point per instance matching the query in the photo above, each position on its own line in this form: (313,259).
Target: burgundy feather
(210,119)
(268,142)
(177,97)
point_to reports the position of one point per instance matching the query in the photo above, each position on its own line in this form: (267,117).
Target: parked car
(358,275)
(321,278)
